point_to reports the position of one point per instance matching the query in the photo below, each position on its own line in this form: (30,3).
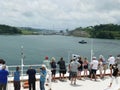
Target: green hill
(104,31)
(10,30)
(5,29)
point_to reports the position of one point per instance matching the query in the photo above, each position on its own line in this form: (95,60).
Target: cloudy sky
(59,14)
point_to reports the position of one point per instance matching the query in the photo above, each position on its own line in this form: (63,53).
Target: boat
(82,42)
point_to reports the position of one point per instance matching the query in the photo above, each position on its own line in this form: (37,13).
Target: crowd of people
(76,66)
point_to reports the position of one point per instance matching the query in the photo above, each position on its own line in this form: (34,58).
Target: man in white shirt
(94,67)
(111,61)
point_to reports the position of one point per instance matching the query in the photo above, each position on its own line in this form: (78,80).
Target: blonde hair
(52,59)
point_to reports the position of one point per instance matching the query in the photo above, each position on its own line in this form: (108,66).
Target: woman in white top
(111,61)
(100,67)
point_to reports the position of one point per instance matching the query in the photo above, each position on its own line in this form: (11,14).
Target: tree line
(5,29)
(104,31)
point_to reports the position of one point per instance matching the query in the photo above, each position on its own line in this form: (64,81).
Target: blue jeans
(42,87)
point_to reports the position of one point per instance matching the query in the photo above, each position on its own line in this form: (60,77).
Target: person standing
(104,63)
(69,69)
(74,69)
(62,68)
(111,61)
(85,66)
(3,78)
(80,69)
(94,67)
(43,74)
(114,74)
(53,68)
(46,62)
(100,67)
(31,78)
(17,79)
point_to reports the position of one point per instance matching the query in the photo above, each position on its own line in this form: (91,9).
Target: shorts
(93,71)
(86,67)
(73,74)
(53,72)
(63,71)
(104,66)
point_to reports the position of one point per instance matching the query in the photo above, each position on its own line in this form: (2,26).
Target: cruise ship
(84,84)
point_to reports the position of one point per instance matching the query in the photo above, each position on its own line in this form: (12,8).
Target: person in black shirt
(31,78)
(53,68)
(62,67)
(80,69)
(114,74)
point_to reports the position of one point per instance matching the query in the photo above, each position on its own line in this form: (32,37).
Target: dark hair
(2,61)
(61,58)
(17,68)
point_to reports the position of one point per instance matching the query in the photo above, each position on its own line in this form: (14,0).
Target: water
(36,47)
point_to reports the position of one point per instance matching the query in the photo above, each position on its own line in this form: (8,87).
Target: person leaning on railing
(53,68)
(31,78)
(3,78)
(62,68)
(111,61)
(43,74)
(17,79)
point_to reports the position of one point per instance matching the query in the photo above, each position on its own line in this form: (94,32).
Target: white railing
(23,68)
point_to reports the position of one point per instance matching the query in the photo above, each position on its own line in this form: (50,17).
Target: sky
(59,14)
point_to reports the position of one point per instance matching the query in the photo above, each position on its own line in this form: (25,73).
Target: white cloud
(59,14)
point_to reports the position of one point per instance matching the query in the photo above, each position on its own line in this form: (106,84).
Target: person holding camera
(43,74)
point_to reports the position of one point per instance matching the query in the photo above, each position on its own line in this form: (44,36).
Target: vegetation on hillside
(104,31)
(5,29)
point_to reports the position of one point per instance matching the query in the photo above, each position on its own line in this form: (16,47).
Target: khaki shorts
(104,67)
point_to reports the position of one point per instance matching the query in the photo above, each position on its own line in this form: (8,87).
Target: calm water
(36,47)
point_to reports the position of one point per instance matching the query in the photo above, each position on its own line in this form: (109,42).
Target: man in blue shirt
(17,79)
(3,78)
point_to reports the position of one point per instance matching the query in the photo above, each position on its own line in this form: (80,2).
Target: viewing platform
(84,84)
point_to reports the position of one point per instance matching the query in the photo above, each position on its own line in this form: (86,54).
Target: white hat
(93,58)
(43,65)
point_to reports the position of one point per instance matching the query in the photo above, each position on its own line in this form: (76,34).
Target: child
(114,74)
